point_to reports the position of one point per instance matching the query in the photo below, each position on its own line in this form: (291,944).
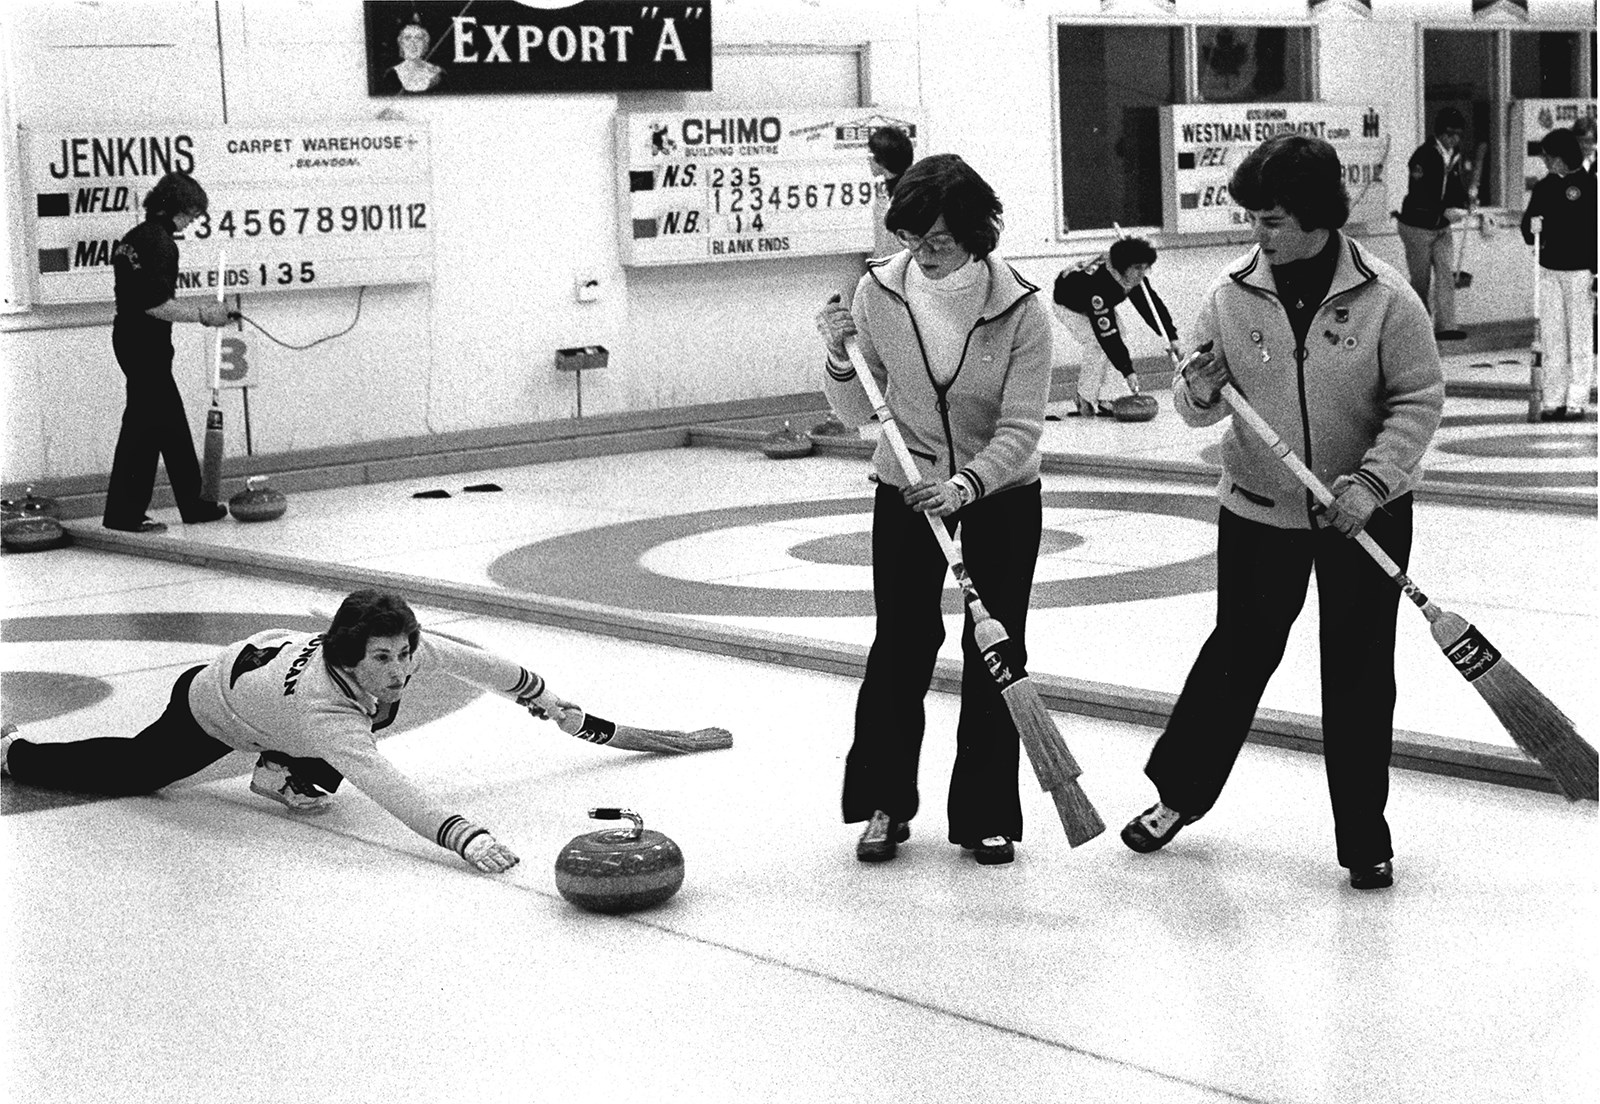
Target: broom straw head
(1077,814)
(1540,729)
(1534,722)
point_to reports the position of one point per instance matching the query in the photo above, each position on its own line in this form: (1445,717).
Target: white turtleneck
(945,312)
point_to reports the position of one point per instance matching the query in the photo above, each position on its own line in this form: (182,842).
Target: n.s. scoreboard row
(291,208)
(756,184)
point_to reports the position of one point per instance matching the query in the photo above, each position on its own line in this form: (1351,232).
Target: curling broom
(1536,376)
(211,466)
(598,730)
(1053,763)
(1533,721)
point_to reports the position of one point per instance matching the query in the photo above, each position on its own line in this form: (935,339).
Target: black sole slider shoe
(1376,876)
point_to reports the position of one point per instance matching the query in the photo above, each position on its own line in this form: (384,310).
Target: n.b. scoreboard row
(295,207)
(757,184)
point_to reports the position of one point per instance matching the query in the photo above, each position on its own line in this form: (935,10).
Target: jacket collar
(1350,272)
(1007,287)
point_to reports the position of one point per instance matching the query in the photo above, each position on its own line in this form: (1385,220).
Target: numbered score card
(1202,145)
(295,207)
(750,184)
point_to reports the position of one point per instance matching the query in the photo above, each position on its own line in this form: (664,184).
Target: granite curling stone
(1135,408)
(619,869)
(258,502)
(786,444)
(31,533)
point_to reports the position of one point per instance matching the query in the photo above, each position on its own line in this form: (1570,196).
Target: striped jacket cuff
(528,687)
(1378,488)
(456,832)
(973,483)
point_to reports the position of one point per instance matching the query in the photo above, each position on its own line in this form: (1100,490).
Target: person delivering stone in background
(1086,299)
(1436,198)
(1562,208)
(1333,348)
(959,344)
(154,424)
(308,704)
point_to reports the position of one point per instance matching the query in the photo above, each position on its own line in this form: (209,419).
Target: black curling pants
(1000,546)
(1262,577)
(173,747)
(154,426)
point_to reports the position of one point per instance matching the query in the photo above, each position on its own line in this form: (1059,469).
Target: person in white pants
(1561,211)
(1086,298)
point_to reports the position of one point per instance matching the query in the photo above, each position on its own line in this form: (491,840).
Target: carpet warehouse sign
(292,208)
(439,47)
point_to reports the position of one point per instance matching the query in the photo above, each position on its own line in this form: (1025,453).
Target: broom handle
(908,463)
(1538,336)
(216,358)
(1269,436)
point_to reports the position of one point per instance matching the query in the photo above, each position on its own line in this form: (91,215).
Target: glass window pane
(1545,65)
(1250,64)
(1458,71)
(1113,82)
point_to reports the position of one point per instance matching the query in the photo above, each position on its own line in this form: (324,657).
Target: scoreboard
(292,207)
(1202,145)
(755,185)
(1531,120)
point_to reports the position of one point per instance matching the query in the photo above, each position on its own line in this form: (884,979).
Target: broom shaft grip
(216,356)
(908,463)
(1243,410)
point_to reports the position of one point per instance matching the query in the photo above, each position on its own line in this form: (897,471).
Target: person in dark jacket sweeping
(153,422)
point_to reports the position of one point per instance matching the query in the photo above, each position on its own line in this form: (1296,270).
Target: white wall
(524,195)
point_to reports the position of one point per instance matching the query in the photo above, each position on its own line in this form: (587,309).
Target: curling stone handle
(613,813)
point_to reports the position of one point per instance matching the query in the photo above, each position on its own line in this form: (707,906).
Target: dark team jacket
(145,263)
(1091,289)
(1567,204)
(1433,188)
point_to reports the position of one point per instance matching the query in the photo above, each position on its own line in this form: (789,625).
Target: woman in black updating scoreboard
(153,423)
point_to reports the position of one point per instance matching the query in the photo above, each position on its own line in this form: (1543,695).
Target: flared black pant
(154,426)
(1000,546)
(1262,576)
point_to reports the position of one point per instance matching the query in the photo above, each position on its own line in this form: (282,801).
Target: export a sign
(440,47)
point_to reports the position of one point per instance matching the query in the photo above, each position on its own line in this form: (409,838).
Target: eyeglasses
(941,244)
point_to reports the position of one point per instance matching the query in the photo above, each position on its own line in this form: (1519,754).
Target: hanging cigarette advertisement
(444,47)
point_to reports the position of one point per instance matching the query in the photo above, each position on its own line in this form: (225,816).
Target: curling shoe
(8,733)
(275,781)
(1154,828)
(204,510)
(1375,876)
(993,850)
(882,838)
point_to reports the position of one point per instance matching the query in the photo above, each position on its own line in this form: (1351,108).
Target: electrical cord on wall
(360,295)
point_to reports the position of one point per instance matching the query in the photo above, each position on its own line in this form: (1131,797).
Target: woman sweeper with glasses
(959,343)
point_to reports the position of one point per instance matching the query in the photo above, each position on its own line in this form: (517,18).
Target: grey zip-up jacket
(985,424)
(1363,397)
